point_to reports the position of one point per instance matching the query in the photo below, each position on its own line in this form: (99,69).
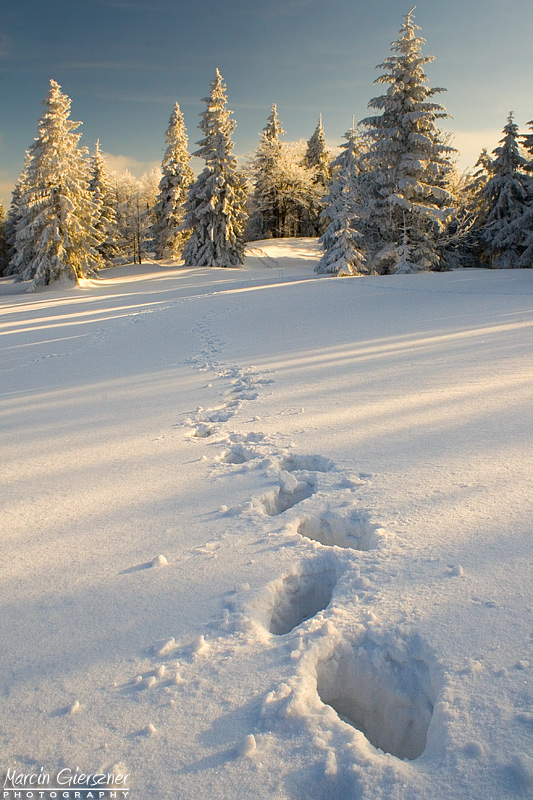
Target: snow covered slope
(266,535)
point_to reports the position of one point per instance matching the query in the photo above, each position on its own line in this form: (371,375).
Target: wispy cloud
(109,65)
(122,4)
(6,189)
(133,5)
(140,97)
(120,163)
(471,143)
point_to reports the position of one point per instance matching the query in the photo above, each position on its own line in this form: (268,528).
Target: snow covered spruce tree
(317,161)
(266,207)
(3,239)
(317,155)
(526,258)
(175,182)
(285,198)
(215,204)
(507,194)
(341,239)
(105,205)
(406,164)
(23,258)
(462,236)
(55,235)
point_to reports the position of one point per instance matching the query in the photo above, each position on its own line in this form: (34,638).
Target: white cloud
(119,163)
(471,143)
(6,189)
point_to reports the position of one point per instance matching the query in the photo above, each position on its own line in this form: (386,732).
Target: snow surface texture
(267,535)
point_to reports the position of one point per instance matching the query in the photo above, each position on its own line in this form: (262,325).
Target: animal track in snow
(298,597)
(381,688)
(290,492)
(351,529)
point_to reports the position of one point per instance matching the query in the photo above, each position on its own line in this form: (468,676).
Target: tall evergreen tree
(105,206)
(473,212)
(507,193)
(273,129)
(317,156)
(266,216)
(526,258)
(317,160)
(406,162)
(24,251)
(527,143)
(285,200)
(56,210)
(215,204)
(3,239)
(341,239)
(175,182)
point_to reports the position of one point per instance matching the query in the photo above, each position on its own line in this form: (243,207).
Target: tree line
(390,201)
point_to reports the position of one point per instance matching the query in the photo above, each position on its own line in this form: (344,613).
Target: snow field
(337,475)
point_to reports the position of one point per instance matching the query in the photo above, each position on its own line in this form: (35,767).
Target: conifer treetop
(508,159)
(55,122)
(317,154)
(405,73)
(273,129)
(527,141)
(216,126)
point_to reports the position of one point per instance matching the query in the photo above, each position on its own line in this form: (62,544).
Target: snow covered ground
(336,476)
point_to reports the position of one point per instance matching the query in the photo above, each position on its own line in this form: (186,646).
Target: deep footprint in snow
(299,597)
(290,492)
(383,691)
(237,454)
(352,530)
(203,430)
(292,463)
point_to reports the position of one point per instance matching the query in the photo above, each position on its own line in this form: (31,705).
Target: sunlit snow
(335,474)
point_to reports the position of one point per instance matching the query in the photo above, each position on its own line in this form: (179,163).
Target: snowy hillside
(268,535)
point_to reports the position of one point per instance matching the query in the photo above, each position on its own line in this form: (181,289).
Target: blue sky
(125,62)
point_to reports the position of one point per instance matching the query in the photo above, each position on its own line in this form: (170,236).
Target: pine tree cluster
(391,200)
